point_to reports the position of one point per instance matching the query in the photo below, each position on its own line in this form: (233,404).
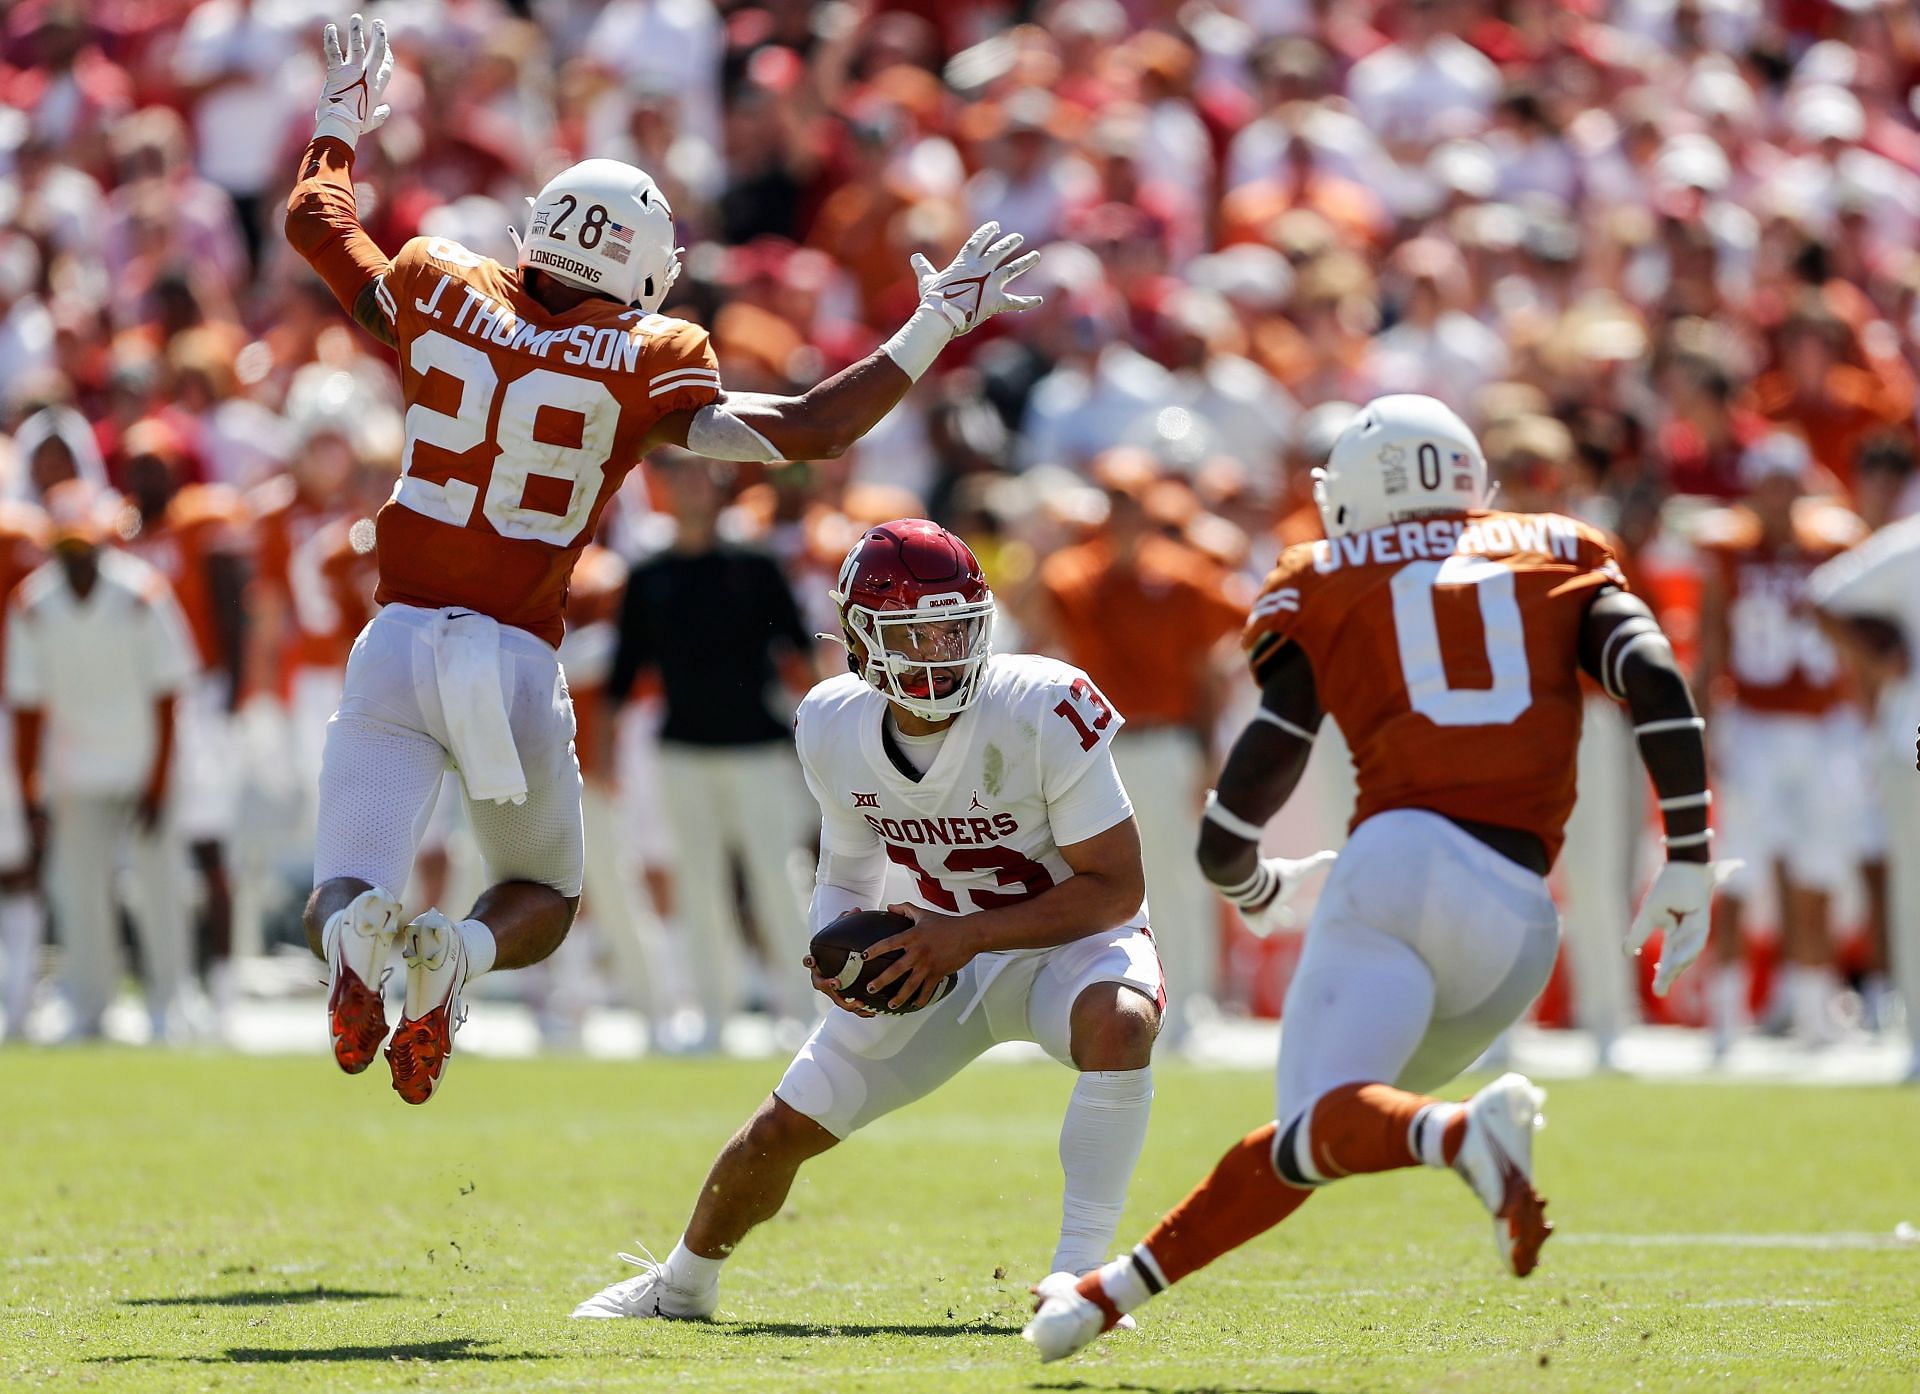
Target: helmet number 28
(1416,625)
(522,459)
(592,227)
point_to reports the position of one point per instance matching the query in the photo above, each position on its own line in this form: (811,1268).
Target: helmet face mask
(1402,457)
(603,226)
(917,618)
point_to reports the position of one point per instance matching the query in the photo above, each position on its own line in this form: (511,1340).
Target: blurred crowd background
(1636,243)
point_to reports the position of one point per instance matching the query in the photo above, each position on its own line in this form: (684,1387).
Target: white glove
(1286,875)
(1678,904)
(350,104)
(973,288)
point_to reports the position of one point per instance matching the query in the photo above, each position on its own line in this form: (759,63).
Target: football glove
(1678,904)
(1262,899)
(350,104)
(973,288)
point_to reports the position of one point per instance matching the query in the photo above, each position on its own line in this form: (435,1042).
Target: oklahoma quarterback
(988,779)
(531,392)
(1446,640)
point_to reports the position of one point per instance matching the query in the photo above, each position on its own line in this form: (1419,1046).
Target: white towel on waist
(466,664)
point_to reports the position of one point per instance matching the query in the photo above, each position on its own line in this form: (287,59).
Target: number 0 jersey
(1448,652)
(1023,772)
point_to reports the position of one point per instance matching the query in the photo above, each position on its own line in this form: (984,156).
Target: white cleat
(357,942)
(1126,1322)
(436,972)
(1064,1321)
(651,1294)
(1496,1159)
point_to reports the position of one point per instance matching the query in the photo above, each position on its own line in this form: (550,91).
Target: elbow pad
(720,435)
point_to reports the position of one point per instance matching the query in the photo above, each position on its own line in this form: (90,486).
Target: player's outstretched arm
(1261,772)
(824,421)
(323,223)
(1624,649)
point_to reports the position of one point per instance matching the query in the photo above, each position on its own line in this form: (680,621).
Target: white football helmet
(604,226)
(1404,456)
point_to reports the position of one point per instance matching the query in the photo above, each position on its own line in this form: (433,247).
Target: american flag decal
(621,232)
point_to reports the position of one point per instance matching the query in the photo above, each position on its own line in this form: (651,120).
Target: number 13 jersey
(520,426)
(1448,652)
(1023,772)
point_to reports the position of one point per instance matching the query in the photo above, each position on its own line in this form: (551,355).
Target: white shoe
(1064,1322)
(1496,1159)
(651,1294)
(356,942)
(1126,1322)
(436,972)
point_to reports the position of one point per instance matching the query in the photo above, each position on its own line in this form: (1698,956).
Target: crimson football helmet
(917,616)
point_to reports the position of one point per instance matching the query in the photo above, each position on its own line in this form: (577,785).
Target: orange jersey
(1447,651)
(593,616)
(1143,634)
(1777,658)
(201,522)
(24,533)
(520,423)
(307,556)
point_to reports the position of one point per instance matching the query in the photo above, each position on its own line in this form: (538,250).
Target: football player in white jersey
(988,780)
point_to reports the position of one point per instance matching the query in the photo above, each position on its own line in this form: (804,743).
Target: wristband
(1223,817)
(918,342)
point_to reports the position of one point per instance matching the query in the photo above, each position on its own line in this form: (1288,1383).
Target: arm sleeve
(1083,790)
(324,227)
(26,678)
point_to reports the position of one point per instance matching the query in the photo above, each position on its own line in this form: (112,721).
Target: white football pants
(747,801)
(1425,945)
(89,834)
(621,912)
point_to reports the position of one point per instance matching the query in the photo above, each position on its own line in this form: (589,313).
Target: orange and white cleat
(1496,1159)
(356,941)
(1069,1314)
(436,972)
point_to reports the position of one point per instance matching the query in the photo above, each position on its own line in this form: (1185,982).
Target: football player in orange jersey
(531,392)
(1446,640)
(1789,742)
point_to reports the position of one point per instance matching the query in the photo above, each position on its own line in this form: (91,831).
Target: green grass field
(175,1222)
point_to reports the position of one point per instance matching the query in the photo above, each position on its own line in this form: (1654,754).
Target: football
(840,952)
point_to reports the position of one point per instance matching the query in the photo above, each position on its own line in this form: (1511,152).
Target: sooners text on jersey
(983,827)
(1447,651)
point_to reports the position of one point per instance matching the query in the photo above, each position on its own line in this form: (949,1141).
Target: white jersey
(1023,772)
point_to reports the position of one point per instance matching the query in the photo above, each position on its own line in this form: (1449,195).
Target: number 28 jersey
(520,426)
(1023,772)
(1448,652)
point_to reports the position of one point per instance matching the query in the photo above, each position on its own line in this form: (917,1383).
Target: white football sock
(1426,1135)
(1123,1282)
(22,928)
(480,947)
(1100,1141)
(687,1270)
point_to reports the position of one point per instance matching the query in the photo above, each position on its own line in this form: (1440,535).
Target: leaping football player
(1446,640)
(988,780)
(531,391)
